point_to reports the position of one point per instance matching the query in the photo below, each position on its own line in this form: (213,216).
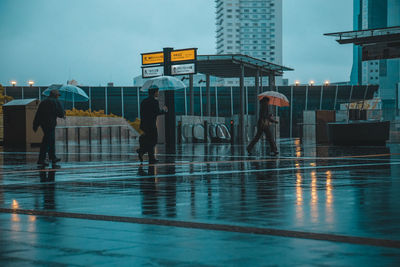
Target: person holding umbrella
(265,118)
(46,117)
(149,110)
(264,121)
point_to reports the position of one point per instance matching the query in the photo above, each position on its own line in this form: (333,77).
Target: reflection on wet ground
(203,205)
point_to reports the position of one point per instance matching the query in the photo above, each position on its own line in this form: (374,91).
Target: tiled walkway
(205,205)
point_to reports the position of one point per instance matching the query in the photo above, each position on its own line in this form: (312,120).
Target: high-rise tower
(250,27)
(374,14)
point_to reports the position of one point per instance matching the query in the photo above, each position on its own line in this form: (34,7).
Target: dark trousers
(147,142)
(48,144)
(263,128)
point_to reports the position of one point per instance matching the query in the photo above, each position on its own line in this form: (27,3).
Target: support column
(336,93)
(208,95)
(306,107)
(191,95)
(271,81)
(138,101)
(257,88)
(216,102)
(241,114)
(106,100)
(321,96)
(90,98)
(122,103)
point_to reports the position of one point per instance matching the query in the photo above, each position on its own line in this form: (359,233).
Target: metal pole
(201,103)
(247,108)
(320,99)
(208,94)
(291,112)
(22,92)
(306,97)
(216,102)
(257,87)
(73,101)
(106,100)
(348,105)
(247,100)
(40,95)
(138,102)
(334,103)
(365,95)
(191,94)
(185,101)
(90,98)
(231,101)
(242,105)
(122,103)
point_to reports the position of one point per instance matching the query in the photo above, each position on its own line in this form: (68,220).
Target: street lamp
(326,83)
(31,83)
(13,83)
(297,83)
(312,82)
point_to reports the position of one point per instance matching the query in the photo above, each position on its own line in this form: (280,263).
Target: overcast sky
(97,41)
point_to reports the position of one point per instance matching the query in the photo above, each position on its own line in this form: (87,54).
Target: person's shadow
(47,178)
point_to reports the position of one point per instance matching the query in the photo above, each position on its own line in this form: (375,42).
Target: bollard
(90,135)
(120,134)
(78,130)
(99,134)
(66,137)
(110,134)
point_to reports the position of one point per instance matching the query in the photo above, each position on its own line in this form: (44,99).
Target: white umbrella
(163,83)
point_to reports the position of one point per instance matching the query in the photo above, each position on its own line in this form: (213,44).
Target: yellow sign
(153,58)
(182,55)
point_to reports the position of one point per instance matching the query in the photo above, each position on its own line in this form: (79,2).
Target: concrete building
(250,27)
(373,14)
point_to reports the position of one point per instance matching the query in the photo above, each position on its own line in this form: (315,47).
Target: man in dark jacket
(149,110)
(46,117)
(264,121)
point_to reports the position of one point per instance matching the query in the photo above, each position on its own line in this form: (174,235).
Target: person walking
(263,126)
(46,117)
(149,110)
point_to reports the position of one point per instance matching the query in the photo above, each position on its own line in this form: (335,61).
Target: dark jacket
(149,110)
(47,113)
(265,115)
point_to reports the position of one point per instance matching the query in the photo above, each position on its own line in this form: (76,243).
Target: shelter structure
(235,66)
(382,43)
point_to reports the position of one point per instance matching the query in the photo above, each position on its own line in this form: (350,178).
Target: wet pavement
(205,205)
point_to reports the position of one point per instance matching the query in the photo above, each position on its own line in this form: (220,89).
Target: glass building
(374,14)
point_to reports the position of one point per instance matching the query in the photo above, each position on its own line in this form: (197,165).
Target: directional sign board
(182,69)
(183,55)
(153,58)
(148,72)
(169,62)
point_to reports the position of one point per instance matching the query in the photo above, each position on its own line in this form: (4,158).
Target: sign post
(169,62)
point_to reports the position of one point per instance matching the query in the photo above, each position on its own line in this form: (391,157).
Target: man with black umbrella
(149,110)
(46,117)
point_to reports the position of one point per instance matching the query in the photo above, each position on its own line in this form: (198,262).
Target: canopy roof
(370,36)
(229,66)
